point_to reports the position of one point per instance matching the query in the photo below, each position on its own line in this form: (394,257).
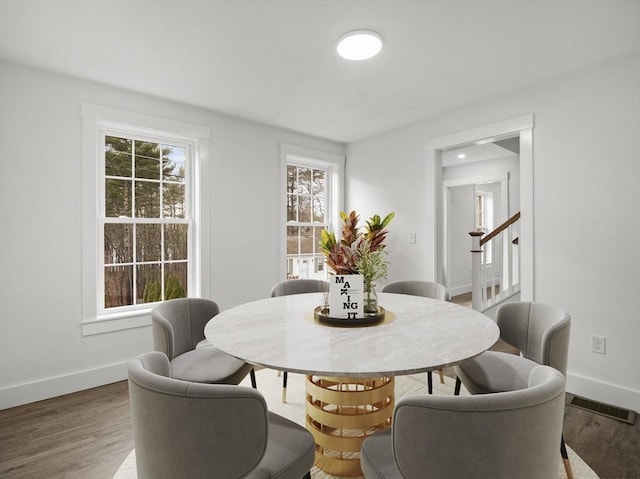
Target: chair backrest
(299,286)
(185,429)
(428,289)
(540,331)
(500,435)
(178,324)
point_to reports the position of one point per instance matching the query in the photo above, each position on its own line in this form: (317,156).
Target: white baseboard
(603,392)
(20,394)
(458,290)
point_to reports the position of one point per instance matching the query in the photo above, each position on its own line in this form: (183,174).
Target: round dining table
(349,368)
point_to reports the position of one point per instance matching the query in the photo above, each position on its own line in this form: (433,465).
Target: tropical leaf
(351,254)
(349,227)
(327,241)
(376,233)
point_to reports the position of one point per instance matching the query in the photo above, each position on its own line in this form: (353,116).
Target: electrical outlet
(598,344)
(412,238)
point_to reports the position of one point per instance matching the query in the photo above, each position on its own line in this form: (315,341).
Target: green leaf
(387,219)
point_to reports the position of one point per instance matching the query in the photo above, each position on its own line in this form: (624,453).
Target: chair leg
(429,382)
(441,372)
(252,374)
(456,391)
(565,459)
(284,386)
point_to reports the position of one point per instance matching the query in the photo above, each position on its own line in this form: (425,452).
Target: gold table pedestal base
(341,413)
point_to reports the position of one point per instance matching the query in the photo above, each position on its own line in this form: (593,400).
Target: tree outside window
(307,216)
(145,221)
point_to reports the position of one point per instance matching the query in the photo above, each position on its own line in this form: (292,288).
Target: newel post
(476,268)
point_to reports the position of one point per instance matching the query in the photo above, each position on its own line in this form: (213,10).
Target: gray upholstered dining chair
(297,286)
(427,289)
(178,331)
(196,430)
(501,435)
(540,332)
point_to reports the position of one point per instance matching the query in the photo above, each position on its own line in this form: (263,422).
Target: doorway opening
(479,193)
(511,188)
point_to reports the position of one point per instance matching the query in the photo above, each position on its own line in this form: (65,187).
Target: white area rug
(270,385)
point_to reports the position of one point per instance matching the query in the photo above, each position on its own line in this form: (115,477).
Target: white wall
(586,208)
(387,173)
(42,351)
(586,200)
(494,168)
(460,221)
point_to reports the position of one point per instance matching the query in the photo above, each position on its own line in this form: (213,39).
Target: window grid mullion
(134,268)
(312,199)
(133,178)
(126,219)
(134,221)
(162,228)
(160,181)
(163,263)
(134,253)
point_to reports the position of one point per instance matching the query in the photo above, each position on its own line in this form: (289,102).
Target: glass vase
(370,305)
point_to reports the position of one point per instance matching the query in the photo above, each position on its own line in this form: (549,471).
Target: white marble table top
(279,333)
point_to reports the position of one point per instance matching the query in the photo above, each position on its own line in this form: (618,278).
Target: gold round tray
(368,319)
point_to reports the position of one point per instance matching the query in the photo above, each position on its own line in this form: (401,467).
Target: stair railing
(496,276)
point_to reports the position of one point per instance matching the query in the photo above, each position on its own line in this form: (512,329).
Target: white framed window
(312,200)
(483,219)
(480,213)
(146,218)
(143,232)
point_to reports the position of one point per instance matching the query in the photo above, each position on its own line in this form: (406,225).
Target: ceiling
(274,61)
(481,152)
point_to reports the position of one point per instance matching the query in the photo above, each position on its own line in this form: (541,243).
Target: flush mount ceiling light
(359,45)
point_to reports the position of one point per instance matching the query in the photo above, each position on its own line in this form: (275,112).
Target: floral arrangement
(358,252)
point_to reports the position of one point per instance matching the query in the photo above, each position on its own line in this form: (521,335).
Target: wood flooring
(87,435)
(610,447)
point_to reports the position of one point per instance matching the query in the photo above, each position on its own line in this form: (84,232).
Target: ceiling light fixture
(359,45)
(461,156)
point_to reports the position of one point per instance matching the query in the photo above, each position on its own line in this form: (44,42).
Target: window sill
(112,322)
